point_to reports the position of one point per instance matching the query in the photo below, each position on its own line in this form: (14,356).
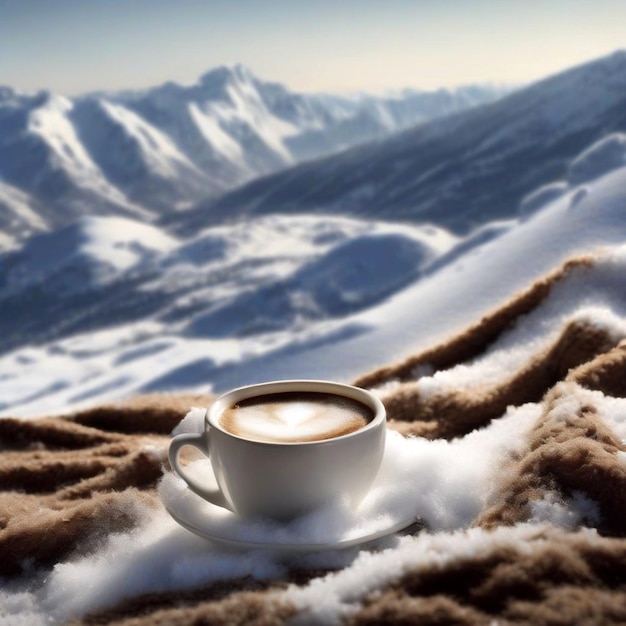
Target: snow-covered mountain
(109,307)
(123,290)
(286,269)
(148,153)
(468,169)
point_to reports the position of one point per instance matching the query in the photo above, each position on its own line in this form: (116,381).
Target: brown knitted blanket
(546,545)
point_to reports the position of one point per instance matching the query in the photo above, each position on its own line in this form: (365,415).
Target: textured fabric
(68,482)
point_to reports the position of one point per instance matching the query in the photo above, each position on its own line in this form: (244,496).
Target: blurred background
(200,194)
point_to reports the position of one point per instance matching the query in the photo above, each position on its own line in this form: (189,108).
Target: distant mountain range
(107,306)
(112,295)
(146,154)
(460,171)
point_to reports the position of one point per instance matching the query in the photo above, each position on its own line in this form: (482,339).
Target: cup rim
(306,385)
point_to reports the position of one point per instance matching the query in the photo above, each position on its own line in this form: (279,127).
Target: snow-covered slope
(136,156)
(475,166)
(97,298)
(19,215)
(98,248)
(588,219)
(150,153)
(280,297)
(44,159)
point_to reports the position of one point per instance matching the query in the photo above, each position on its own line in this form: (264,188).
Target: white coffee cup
(283,480)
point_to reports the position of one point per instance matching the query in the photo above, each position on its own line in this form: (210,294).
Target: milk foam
(293,417)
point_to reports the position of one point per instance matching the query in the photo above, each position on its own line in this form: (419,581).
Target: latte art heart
(294,414)
(295,417)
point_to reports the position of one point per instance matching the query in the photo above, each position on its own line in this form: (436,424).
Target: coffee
(295,417)
(285,448)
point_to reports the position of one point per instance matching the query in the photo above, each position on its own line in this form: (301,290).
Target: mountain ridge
(457,171)
(107,307)
(145,153)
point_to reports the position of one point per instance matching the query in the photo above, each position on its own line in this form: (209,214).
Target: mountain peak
(226,74)
(6,92)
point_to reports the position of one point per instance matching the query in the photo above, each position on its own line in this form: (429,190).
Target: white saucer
(331,529)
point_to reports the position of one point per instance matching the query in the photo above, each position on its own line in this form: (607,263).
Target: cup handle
(200,441)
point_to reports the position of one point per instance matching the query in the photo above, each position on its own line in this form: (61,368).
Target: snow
(605,155)
(209,340)
(464,290)
(445,483)
(159,152)
(213,133)
(19,204)
(335,597)
(109,245)
(50,122)
(290,271)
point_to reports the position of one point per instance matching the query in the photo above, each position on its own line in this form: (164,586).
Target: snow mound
(540,197)
(601,158)
(97,248)
(351,276)
(362,270)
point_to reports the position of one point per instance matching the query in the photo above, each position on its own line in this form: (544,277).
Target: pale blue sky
(72,46)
